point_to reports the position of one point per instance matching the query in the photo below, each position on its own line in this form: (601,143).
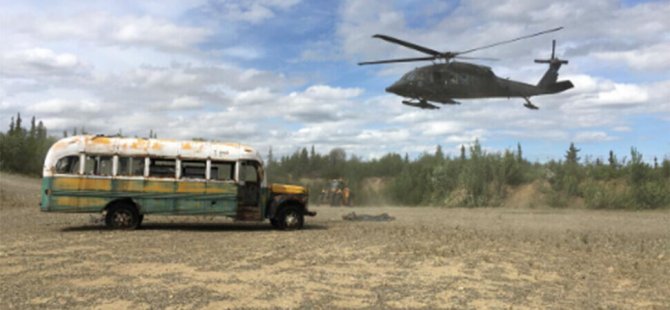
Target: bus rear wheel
(122,216)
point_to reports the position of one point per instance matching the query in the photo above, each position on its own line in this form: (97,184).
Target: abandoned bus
(127,178)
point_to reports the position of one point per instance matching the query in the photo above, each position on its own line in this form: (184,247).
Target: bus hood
(288,189)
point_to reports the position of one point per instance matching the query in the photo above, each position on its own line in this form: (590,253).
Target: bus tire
(122,215)
(290,218)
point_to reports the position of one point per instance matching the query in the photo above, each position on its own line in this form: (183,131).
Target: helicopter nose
(396,88)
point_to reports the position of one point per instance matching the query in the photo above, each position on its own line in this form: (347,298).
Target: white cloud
(381,137)
(597,93)
(254,11)
(319,103)
(66,107)
(440,128)
(153,32)
(255,96)
(105,29)
(654,57)
(185,102)
(467,137)
(592,136)
(40,62)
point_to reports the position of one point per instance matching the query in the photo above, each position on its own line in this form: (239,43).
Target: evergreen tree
(21,150)
(270,156)
(571,155)
(613,163)
(439,155)
(11,127)
(17,127)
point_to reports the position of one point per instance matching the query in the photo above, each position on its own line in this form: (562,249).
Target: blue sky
(284,74)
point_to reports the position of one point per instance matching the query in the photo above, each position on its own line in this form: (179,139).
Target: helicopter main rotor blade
(395,60)
(509,41)
(413,46)
(477,58)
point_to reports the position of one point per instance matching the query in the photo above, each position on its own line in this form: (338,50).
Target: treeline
(22,149)
(473,178)
(477,178)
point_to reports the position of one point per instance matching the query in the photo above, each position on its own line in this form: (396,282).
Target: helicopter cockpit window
(437,76)
(410,76)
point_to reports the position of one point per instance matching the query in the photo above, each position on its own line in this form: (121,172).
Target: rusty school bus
(127,178)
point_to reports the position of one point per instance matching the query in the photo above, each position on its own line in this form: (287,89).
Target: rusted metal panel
(88,194)
(146,147)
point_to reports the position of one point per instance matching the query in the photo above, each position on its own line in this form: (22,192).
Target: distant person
(346,196)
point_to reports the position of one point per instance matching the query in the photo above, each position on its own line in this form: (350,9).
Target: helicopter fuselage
(459,80)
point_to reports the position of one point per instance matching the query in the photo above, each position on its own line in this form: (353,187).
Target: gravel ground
(425,258)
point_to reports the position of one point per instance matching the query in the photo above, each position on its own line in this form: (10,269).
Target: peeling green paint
(90,194)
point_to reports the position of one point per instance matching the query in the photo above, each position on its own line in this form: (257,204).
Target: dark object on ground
(384,217)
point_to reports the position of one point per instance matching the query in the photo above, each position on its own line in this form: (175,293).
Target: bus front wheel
(122,216)
(290,218)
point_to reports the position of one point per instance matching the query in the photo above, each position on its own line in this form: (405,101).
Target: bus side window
(68,165)
(223,171)
(98,165)
(104,166)
(193,169)
(249,172)
(162,167)
(131,166)
(89,165)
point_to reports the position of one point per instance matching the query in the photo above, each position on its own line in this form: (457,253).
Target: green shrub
(652,194)
(606,195)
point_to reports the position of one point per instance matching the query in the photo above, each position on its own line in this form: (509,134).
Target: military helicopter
(447,79)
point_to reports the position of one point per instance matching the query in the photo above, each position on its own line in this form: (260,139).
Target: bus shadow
(204,227)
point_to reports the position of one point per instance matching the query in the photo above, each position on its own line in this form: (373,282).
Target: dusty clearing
(426,258)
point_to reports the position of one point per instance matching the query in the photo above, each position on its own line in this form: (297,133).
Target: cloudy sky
(283,73)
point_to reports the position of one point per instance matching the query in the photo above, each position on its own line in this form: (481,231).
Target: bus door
(249,191)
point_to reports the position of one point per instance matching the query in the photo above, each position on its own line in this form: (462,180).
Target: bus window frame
(79,164)
(97,159)
(235,163)
(236,169)
(147,170)
(259,171)
(190,159)
(117,166)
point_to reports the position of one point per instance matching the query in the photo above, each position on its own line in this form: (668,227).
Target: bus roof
(183,149)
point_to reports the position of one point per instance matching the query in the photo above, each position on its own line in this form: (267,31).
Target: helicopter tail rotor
(549,83)
(553,59)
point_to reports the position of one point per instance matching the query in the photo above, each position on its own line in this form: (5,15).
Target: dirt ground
(426,258)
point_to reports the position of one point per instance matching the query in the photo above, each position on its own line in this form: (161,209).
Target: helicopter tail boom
(557,87)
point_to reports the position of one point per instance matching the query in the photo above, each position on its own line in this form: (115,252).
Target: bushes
(651,195)
(606,195)
(478,178)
